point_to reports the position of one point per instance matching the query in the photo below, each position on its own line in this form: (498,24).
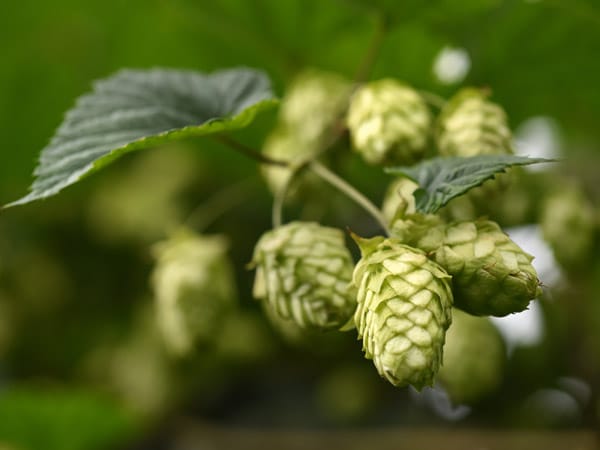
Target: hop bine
(303,273)
(404,309)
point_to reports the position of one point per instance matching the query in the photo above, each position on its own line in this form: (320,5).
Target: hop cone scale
(389,123)
(491,275)
(303,273)
(404,309)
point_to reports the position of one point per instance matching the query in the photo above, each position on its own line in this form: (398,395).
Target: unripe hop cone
(474,356)
(471,125)
(285,145)
(404,309)
(491,275)
(194,289)
(389,123)
(568,222)
(313,102)
(303,273)
(399,199)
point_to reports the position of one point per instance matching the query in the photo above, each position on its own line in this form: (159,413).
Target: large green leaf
(136,109)
(444,178)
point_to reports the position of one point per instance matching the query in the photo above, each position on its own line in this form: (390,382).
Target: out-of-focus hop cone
(491,275)
(313,102)
(389,123)
(470,125)
(399,200)
(568,224)
(303,273)
(474,356)
(194,289)
(285,145)
(404,309)
(309,110)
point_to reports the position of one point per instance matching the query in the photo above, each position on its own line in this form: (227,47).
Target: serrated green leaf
(136,109)
(444,178)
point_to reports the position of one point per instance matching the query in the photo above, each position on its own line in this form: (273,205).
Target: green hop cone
(471,125)
(404,309)
(194,289)
(491,275)
(568,222)
(313,102)
(389,123)
(303,273)
(311,106)
(284,145)
(399,199)
(474,356)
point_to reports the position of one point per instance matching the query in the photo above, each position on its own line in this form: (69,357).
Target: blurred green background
(80,363)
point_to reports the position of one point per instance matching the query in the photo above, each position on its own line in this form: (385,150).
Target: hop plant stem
(351,192)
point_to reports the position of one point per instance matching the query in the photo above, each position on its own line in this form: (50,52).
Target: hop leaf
(389,123)
(471,125)
(303,273)
(442,179)
(491,275)
(404,309)
(193,285)
(474,356)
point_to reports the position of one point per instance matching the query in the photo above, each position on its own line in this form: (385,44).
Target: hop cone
(284,145)
(194,289)
(314,100)
(491,275)
(404,309)
(568,223)
(389,123)
(474,357)
(303,273)
(470,125)
(399,199)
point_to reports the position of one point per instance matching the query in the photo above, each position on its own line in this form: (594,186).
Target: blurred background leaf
(62,419)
